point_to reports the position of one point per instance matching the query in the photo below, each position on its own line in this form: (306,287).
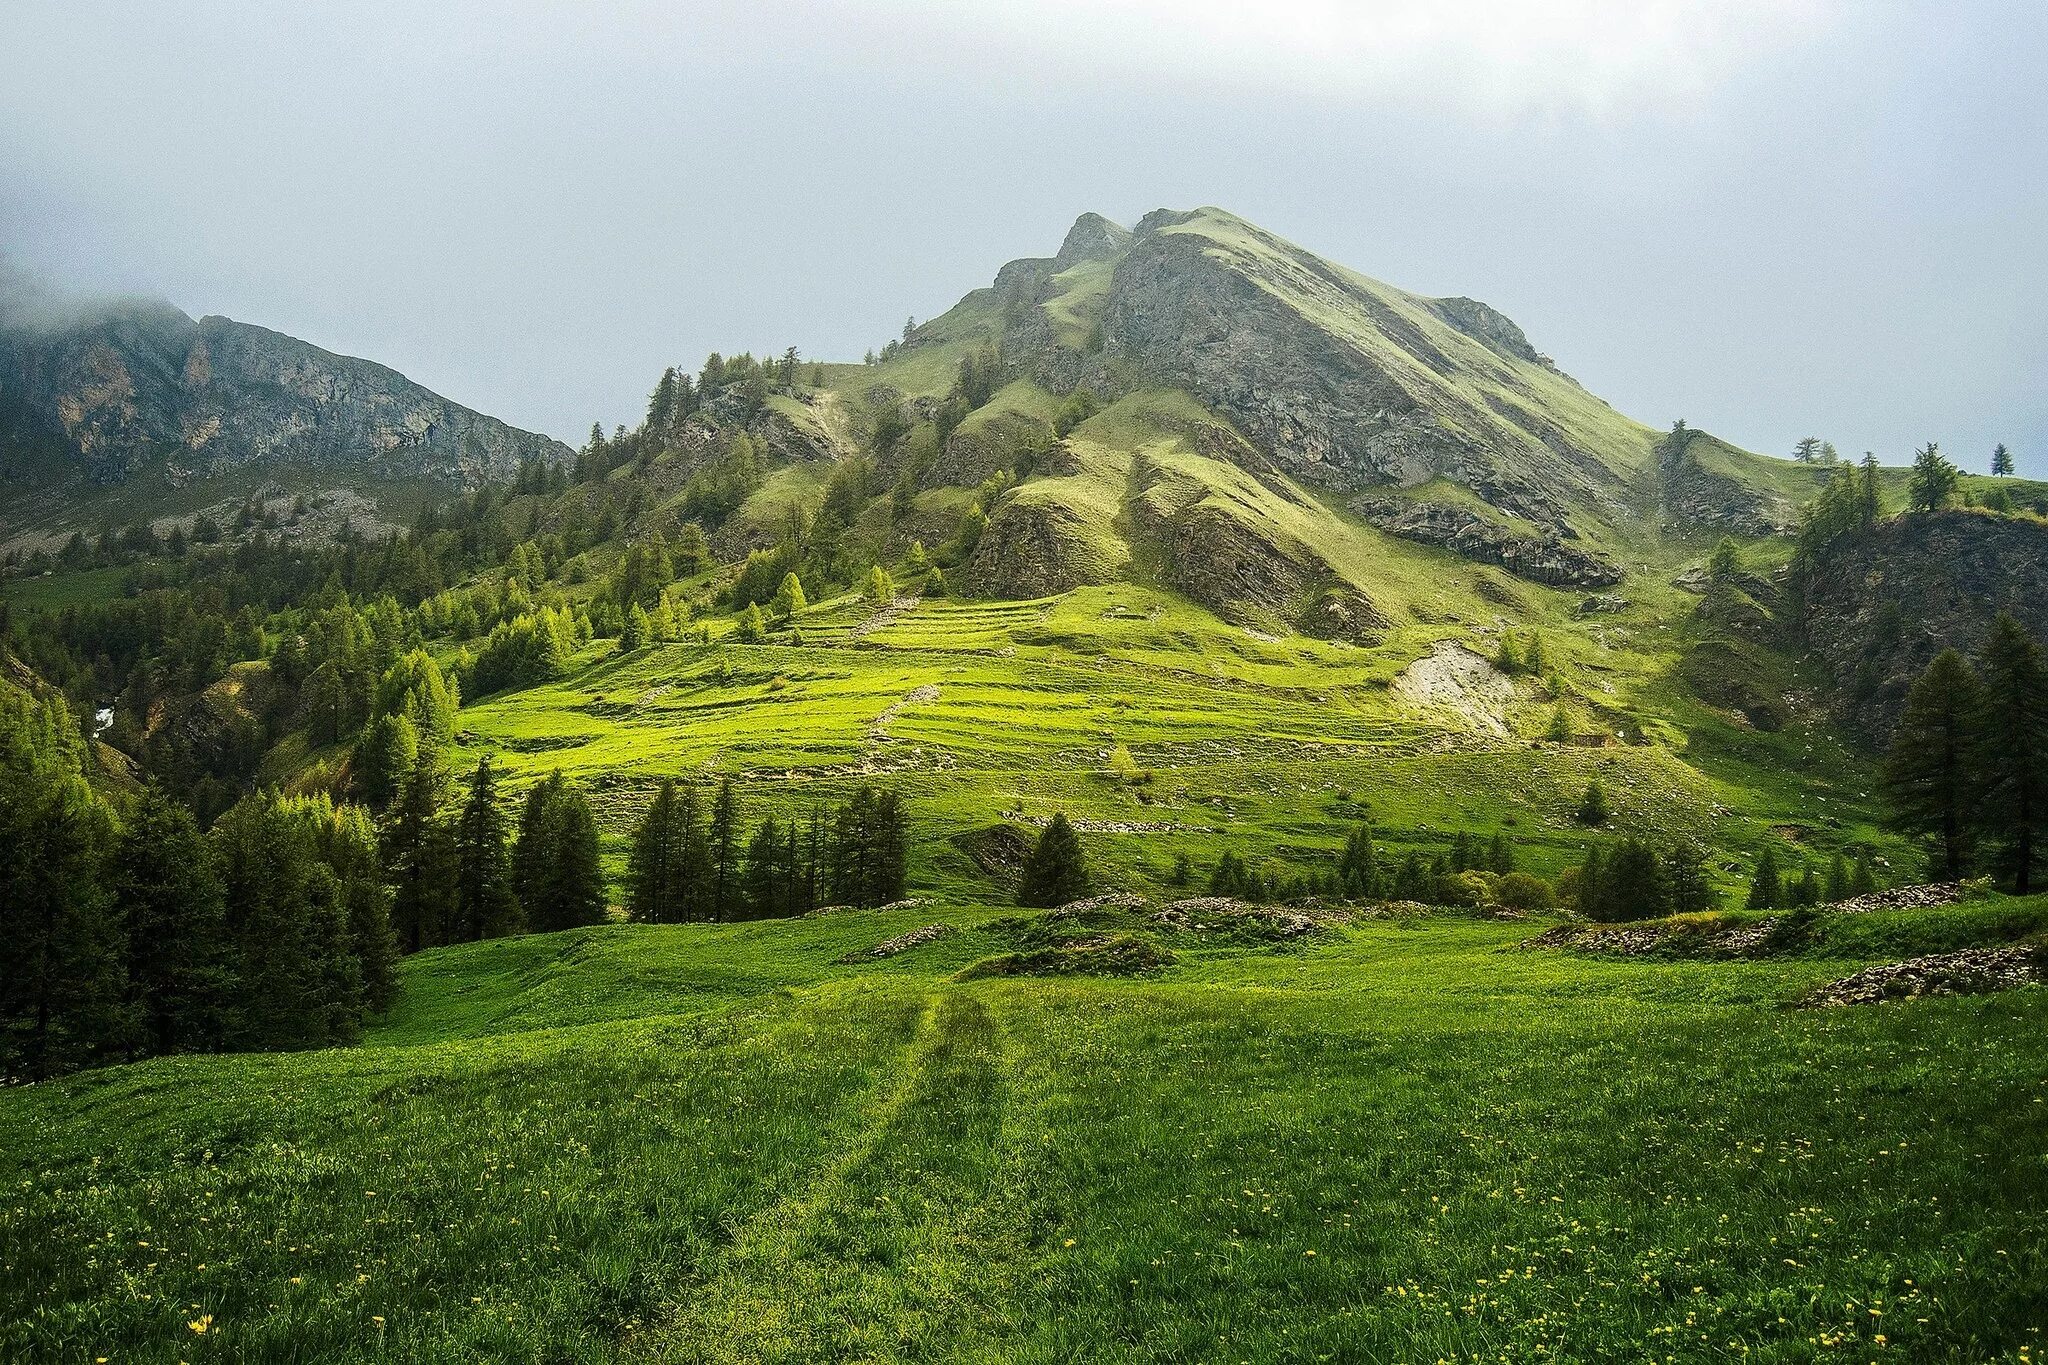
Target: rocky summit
(104,394)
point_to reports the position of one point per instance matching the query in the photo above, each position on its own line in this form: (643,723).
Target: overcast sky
(1770,217)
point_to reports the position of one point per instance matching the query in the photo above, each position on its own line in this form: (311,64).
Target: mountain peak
(1091,238)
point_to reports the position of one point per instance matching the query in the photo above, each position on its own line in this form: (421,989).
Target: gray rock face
(139,385)
(1340,388)
(1696,495)
(1541,558)
(1091,238)
(1878,609)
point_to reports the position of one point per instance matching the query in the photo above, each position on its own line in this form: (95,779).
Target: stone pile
(1973,971)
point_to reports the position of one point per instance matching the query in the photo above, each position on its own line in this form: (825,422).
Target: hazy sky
(1770,217)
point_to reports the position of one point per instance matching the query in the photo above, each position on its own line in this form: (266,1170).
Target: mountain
(1260,411)
(134,391)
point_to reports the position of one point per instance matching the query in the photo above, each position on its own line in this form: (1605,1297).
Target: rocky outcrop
(1694,495)
(1091,238)
(1539,557)
(1877,608)
(1344,614)
(137,386)
(1973,971)
(1034,548)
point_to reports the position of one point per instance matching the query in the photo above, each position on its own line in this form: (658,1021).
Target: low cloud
(1501,56)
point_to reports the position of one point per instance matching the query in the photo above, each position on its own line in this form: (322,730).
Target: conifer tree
(880,587)
(762,885)
(1934,479)
(383,756)
(653,871)
(418,858)
(1593,805)
(1838,878)
(789,597)
(694,874)
(661,622)
(635,631)
(1500,855)
(181,973)
(1056,871)
(485,906)
(748,626)
(1863,881)
(1686,886)
(1359,867)
(555,870)
(2001,461)
(1869,497)
(1767,887)
(888,850)
(2011,757)
(1928,773)
(724,838)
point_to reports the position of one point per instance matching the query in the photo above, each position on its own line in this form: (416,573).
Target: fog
(1774,218)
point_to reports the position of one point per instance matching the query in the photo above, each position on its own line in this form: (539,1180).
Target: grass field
(1393,1142)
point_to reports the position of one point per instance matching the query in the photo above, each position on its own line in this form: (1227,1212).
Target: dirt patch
(1455,680)
(1973,971)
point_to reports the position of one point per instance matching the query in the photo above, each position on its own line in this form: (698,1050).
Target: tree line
(1967,769)
(690,865)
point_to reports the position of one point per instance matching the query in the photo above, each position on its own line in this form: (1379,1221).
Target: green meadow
(1392,1140)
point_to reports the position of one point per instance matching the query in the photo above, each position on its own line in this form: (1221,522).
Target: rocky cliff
(1880,606)
(126,387)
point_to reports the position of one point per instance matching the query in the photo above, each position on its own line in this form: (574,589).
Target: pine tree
(485,906)
(555,870)
(1359,867)
(1863,881)
(653,870)
(1685,878)
(1632,883)
(1807,450)
(888,850)
(1500,855)
(418,858)
(636,629)
(2001,461)
(748,627)
(724,837)
(1934,479)
(62,954)
(383,756)
(1767,887)
(1838,878)
(661,622)
(694,874)
(762,886)
(789,597)
(1593,805)
(880,587)
(1869,496)
(2011,758)
(1056,870)
(1928,774)
(180,966)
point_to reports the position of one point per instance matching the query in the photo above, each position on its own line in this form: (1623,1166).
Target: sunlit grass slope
(1396,1143)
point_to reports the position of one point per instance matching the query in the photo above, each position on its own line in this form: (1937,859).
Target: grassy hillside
(1391,1141)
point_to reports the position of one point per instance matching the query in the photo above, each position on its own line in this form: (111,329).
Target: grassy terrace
(1394,1143)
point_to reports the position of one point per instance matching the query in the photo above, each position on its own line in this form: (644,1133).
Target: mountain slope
(140,391)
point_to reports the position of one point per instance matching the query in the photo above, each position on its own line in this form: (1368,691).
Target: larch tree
(2011,758)
(1929,771)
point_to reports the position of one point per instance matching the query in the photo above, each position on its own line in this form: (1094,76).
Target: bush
(1520,891)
